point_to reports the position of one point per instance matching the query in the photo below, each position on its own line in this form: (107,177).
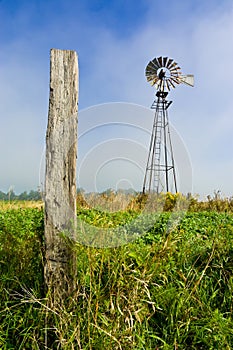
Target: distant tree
(11,196)
(130,191)
(126,191)
(23,196)
(3,196)
(34,195)
(108,192)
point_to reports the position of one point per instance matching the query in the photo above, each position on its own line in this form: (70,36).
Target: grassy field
(169,289)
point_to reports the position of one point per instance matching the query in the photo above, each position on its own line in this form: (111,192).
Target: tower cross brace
(160,175)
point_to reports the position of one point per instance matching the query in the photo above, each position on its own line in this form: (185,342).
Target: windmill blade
(150,74)
(162,85)
(157,84)
(169,63)
(175,74)
(187,79)
(175,69)
(155,81)
(151,82)
(171,83)
(152,79)
(167,83)
(160,60)
(151,69)
(176,80)
(165,61)
(156,63)
(152,65)
(173,65)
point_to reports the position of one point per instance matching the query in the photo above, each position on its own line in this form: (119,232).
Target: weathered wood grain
(60,174)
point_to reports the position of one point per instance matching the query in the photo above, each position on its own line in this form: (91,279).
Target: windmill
(160,176)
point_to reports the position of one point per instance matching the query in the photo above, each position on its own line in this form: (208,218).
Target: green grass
(170,289)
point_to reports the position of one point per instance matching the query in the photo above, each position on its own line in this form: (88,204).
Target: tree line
(35,195)
(24,196)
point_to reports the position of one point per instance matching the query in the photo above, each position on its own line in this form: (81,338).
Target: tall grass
(167,290)
(17,204)
(165,202)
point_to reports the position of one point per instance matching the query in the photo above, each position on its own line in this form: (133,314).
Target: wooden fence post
(60,174)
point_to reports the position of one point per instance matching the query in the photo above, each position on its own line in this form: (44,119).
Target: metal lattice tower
(160,175)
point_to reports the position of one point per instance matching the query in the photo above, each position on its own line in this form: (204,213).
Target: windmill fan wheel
(164,73)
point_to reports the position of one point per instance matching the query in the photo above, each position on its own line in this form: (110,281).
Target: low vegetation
(169,289)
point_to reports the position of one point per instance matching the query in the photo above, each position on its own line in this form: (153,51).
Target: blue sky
(114,41)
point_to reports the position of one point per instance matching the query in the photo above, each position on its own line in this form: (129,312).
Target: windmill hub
(164,73)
